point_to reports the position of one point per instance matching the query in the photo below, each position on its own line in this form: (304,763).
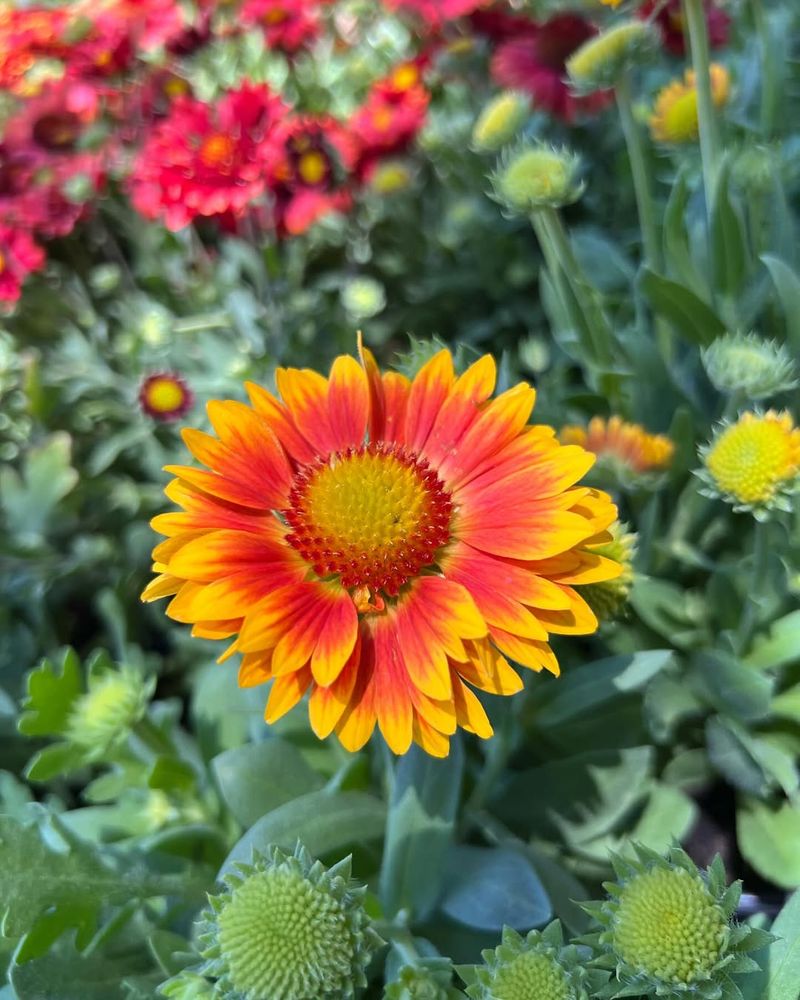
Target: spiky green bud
(667,929)
(287,928)
(745,364)
(536,176)
(500,121)
(609,598)
(114,702)
(601,60)
(538,965)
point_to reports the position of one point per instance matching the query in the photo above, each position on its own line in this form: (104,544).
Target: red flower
(205,160)
(435,12)
(534,63)
(55,120)
(309,180)
(391,116)
(289,25)
(670,21)
(19,255)
(26,36)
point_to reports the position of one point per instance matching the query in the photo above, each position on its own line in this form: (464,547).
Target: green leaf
(732,751)
(690,317)
(677,251)
(47,477)
(585,687)
(780,647)
(66,887)
(258,777)
(728,241)
(51,693)
(322,821)
(55,760)
(65,974)
(769,839)
(668,817)
(583,796)
(419,829)
(733,689)
(784,953)
(488,888)
(787,285)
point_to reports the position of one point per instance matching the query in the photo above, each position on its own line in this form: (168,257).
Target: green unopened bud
(363,297)
(667,929)
(754,170)
(500,121)
(600,61)
(188,986)
(534,966)
(114,702)
(537,176)
(431,979)
(391,176)
(746,365)
(608,598)
(286,926)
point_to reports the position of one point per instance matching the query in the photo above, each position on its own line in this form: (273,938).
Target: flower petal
(526,652)
(305,393)
(280,420)
(488,670)
(327,704)
(285,693)
(428,391)
(348,403)
(461,408)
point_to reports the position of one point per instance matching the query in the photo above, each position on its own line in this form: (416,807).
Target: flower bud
(500,121)
(600,61)
(106,713)
(537,176)
(746,365)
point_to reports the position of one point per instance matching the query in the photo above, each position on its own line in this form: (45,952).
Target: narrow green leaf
(728,241)
(419,829)
(691,318)
(787,285)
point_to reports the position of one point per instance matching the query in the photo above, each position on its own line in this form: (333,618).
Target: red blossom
(19,255)
(534,63)
(390,117)
(205,160)
(288,25)
(670,21)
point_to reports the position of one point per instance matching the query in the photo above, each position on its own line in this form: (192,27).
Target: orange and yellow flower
(383,543)
(675,114)
(630,445)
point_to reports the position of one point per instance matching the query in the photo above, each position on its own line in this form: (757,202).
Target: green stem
(760,564)
(194,324)
(770,95)
(642,186)
(695,16)
(596,323)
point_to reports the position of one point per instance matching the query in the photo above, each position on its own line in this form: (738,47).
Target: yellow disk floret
(669,927)
(675,116)
(531,975)
(752,460)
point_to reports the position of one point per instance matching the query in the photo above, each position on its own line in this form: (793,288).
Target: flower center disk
(375,516)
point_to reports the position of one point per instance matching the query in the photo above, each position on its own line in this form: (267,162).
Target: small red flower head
(165,396)
(534,62)
(205,160)
(670,21)
(309,178)
(390,118)
(19,255)
(288,25)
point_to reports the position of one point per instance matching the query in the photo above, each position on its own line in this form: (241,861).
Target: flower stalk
(706,112)
(642,186)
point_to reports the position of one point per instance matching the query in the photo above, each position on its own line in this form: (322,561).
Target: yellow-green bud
(608,598)
(599,62)
(391,176)
(287,927)
(363,297)
(500,121)
(537,176)
(746,365)
(105,714)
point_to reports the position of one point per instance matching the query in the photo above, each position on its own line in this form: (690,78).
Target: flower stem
(760,564)
(152,737)
(641,175)
(695,16)
(770,95)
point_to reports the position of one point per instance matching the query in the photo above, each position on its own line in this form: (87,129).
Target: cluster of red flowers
(86,106)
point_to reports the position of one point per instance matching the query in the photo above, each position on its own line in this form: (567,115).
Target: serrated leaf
(779,647)
(488,888)
(419,829)
(51,693)
(47,477)
(324,822)
(258,777)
